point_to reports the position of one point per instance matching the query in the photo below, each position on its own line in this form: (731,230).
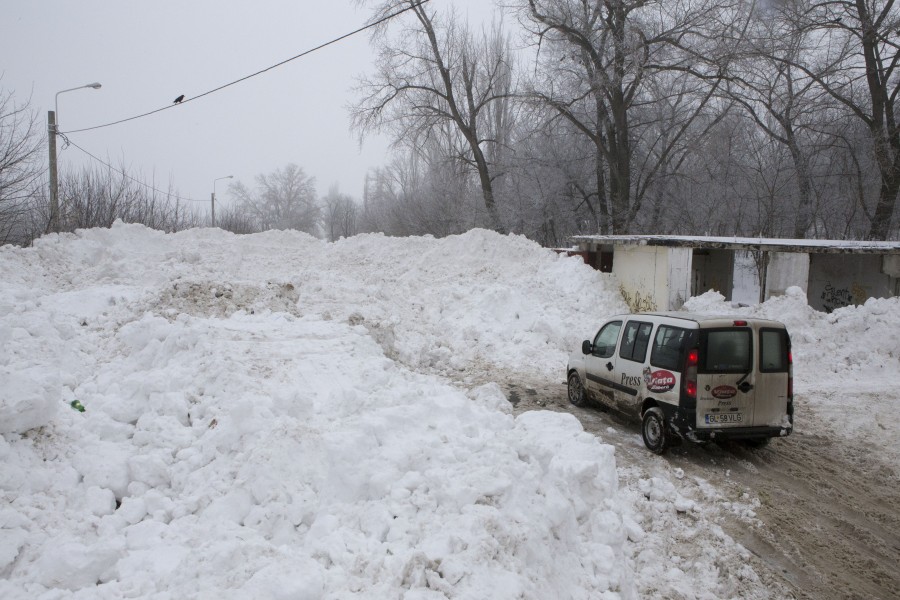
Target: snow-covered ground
(272,416)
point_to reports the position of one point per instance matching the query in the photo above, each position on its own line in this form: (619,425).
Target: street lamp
(94,85)
(53,131)
(213,199)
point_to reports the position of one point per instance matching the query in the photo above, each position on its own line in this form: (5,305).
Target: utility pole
(54,189)
(52,132)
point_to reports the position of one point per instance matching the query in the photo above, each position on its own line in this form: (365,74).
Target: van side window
(667,346)
(726,351)
(635,341)
(773,351)
(605,342)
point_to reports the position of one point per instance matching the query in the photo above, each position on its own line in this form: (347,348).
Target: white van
(689,376)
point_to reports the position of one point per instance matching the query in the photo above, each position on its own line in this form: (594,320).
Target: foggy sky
(145,54)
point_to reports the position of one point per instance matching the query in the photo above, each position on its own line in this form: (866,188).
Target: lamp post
(213,199)
(52,132)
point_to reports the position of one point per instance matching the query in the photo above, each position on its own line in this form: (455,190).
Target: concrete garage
(661,272)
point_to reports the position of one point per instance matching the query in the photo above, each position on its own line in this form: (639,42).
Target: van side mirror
(586,347)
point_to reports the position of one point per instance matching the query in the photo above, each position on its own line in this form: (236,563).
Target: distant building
(658,272)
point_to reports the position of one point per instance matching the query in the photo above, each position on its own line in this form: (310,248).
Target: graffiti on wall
(636,302)
(833,297)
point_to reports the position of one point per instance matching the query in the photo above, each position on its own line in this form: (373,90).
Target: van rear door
(725,378)
(772,381)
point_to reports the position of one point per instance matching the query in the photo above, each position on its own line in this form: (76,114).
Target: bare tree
(437,73)
(235,220)
(855,62)
(675,119)
(847,180)
(421,191)
(784,102)
(341,214)
(551,174)
(283,199)
(21,166)
(600,57)
(98,196)
(775,103)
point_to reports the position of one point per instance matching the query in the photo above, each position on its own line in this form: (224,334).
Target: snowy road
(825,518)
(832,521)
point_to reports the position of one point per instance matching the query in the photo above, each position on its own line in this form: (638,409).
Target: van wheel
(654,431)
(576,390)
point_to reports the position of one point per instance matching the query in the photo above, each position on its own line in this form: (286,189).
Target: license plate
(724,418)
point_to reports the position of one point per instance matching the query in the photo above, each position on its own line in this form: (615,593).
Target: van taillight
(690,373)
(790,393)
(740,323)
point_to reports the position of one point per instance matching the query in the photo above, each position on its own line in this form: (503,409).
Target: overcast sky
(145,54)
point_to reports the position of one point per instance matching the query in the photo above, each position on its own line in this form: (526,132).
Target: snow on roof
(744,243)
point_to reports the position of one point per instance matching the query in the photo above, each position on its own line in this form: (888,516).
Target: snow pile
(245,434)
(466,300)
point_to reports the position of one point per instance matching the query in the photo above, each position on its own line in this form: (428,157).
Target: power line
(127,176)
(236,81)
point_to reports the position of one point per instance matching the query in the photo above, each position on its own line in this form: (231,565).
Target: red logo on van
(724,392)
(660,381)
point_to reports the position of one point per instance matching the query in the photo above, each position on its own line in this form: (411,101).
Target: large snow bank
(253,427)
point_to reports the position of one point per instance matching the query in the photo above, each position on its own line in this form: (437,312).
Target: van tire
(577,396)
(653,429)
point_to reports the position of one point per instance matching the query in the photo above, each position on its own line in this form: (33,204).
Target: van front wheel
(654,430)
(577,395)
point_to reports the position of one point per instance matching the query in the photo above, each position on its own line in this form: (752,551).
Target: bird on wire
(179,99)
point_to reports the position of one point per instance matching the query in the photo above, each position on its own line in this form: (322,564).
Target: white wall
(786,269)
(891,265)
(680,260)
(643,274)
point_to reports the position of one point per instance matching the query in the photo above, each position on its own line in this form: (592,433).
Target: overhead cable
(236,81)
(127,176)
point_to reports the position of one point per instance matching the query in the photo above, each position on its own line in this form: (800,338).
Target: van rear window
(667,347)
(773,351)
(726,351)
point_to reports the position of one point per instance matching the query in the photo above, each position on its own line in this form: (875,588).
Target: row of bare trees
(287,199)
(762,117)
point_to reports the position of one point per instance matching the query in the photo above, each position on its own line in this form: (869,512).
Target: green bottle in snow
(77,405)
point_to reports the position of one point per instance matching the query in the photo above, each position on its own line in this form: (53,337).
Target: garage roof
(743,243)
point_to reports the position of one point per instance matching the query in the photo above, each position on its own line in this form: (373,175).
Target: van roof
(707,319)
